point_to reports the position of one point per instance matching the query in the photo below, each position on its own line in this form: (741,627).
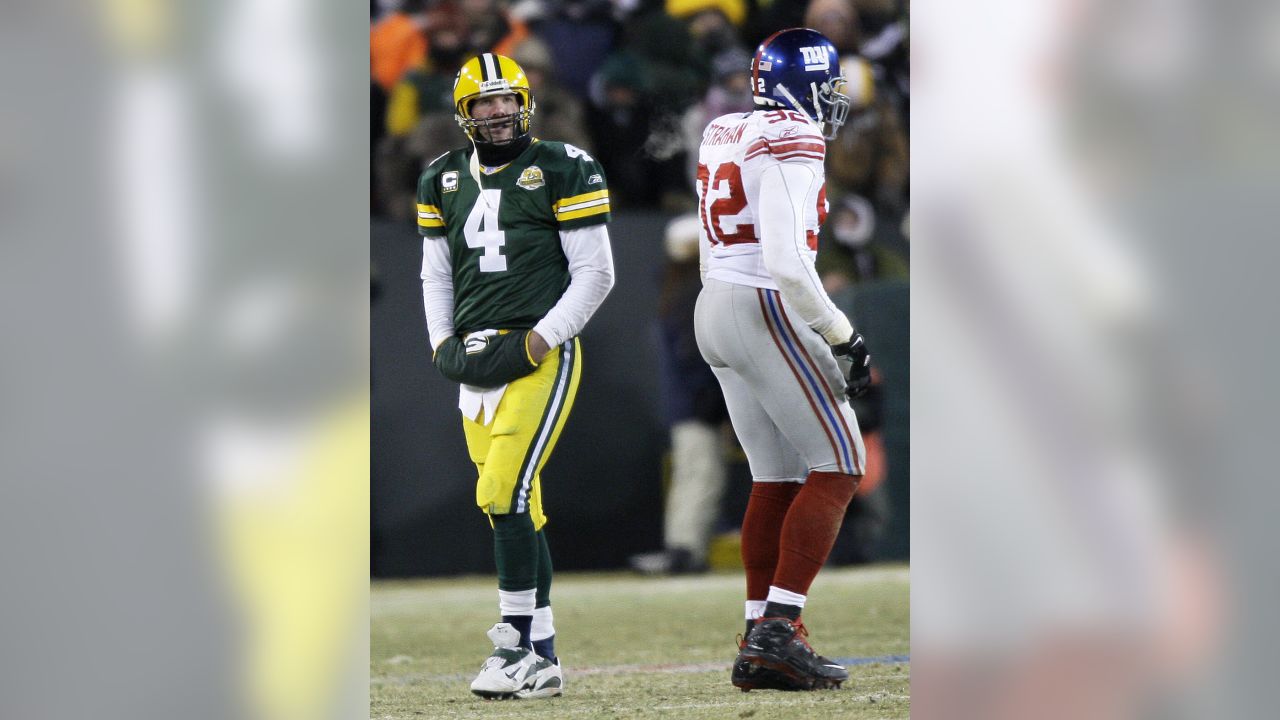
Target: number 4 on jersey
(484,214)
(577,153)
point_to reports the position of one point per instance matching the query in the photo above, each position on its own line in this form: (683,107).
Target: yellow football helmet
(491,74)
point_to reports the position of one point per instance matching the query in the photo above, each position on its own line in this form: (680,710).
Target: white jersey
(736,150)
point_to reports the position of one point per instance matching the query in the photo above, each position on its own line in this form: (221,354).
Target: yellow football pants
(511,449)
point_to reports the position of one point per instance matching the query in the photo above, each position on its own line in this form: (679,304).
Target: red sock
(761,530)
(810,528)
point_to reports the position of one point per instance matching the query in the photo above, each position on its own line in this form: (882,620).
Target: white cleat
(515,672)
(546,681)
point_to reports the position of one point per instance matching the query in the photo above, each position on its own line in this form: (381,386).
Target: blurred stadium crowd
(634,82)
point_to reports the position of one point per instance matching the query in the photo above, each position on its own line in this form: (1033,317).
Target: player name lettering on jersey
(736,151)
(721,135)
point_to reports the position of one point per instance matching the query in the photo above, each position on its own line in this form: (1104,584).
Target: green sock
(546,647)
(544,570)
(515,551)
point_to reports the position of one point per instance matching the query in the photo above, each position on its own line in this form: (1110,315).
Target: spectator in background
(580,35)
(559,113)
(712,24)
(620,124)
(849,253)
(769,16)
(696,413)
(674,46)
(869,155)
(428,87)
(885,43)
(874,30)
(420,122)
(397,43)
(730,92)
(491,27)
(673,63)
(838,20)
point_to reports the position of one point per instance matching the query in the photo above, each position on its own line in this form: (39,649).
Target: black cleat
(776,656)
(757,677)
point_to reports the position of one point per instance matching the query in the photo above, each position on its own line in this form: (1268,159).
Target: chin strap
(474,165)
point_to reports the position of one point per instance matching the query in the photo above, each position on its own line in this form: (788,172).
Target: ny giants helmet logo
(815,58)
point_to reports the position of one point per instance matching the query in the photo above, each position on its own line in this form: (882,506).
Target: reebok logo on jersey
(789,131)
(531,178)
(594,179)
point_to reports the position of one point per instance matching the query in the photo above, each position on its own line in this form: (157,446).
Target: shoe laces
(802,634)
(798,624)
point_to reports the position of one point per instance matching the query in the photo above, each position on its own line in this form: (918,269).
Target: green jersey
(504,235)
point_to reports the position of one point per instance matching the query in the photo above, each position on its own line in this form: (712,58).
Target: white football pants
(783,388)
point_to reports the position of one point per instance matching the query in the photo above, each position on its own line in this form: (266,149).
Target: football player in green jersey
(516,259)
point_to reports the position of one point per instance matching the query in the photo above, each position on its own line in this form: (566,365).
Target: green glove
(485,361)
(451,359)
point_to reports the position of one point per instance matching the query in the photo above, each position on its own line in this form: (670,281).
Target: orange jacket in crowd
(395,45)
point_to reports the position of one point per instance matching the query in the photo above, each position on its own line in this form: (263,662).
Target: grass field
(636,647)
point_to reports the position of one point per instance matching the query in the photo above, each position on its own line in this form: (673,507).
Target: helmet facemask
(481,130)
(832,105)
(827,106)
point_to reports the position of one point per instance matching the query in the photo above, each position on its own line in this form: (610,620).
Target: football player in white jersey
(787,358)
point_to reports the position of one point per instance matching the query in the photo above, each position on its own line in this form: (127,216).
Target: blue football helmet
(799,69)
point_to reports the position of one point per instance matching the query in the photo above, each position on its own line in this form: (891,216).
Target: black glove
(855,361)
(485,361)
